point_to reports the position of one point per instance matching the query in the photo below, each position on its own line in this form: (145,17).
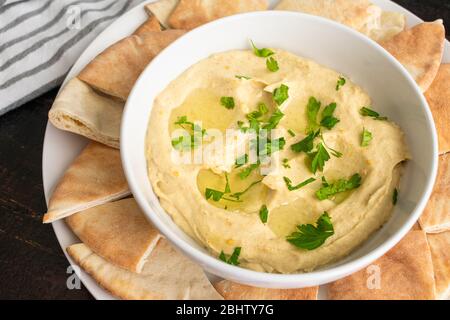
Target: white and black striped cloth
(41,39)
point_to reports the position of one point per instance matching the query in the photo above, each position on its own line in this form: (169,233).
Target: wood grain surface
(32,264)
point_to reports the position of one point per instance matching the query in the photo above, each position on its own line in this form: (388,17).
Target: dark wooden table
(32,264)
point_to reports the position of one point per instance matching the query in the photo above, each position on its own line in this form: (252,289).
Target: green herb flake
(238,195)
(234,258)
(264,214)
(366,138)
(215,195)
(307,144)
(340,83)
(262,53)
(240,77)
(310,237)
(281,94)
(272,64)
(241,161)
(328,190)
(319,158)
(328,120)
(227,102)
(245,173)
(286,163)
(367,112)
(312,111)
(291,133)
(274,120)
(299,186)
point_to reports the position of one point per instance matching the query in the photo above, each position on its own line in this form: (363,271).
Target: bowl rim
(274,280)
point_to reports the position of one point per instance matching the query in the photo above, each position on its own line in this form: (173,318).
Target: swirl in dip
(286,166)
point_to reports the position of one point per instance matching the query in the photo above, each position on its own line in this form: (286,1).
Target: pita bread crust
(118,232)
(420,50)
(235,291)
(115,70)
(162,9)
(79,109)
(406,274)
(166,275)
(94,178)
(150,25)
(440,253)
(438,97)
(436,216)
(190,14)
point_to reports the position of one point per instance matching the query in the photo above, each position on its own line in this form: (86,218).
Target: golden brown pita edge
(440,253)
(167,275)
(150,25)
(94,178)
(436,216)
(235,291)
(118,232)
(161,10)
(404,273)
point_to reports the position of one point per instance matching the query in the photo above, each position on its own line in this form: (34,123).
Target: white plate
(60,147)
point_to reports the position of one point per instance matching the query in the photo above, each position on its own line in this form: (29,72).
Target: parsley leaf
(240,77)
(227,102)
(233,260)
(328,120)
(286,163)
(264,214)
(262,110)
(366,138)
(307,144)
(273,146)
(340,83)
(311,237)
(342,185)
(262,53)
(182,144)
(395,197)
(291,133)
(281,94)
(248,170)
(319,158)
(312,110)
(274,120)
(213,194)
(238,195)
(367,112)
(242,160)
(272,64)
(300,185)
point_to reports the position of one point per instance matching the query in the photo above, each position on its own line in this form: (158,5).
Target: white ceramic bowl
(394,94)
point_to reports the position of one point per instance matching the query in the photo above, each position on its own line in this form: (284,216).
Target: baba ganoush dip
(331,178)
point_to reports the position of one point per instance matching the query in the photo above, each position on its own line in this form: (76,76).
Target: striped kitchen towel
(41,39)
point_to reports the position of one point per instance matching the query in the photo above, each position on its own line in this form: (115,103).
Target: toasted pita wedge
(118,232)
(116,69)
(389,25)
(162,9)
(404,273)
(81,110)
(166,275)
(438,97)
(94,178)
(190,14)
(150,25)
(440,253)
(235,291)
(436,216)
(420,50)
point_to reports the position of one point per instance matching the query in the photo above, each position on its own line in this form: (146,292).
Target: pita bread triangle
(440,253)
(115,70)
(94,178)
(167,275)
(436,216)
(116,231)
(404,273)
(161,9)
(420,50)
(150,25)
(235,291)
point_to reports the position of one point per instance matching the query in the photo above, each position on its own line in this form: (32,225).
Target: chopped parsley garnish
(366,138)
(274,120)
(264,214)
(328,120)
(342,185)
(240,77)
(367,112)
(262,53)
(233,259)
(281,94)
(311,237)
(318,158)
(238,195)
(272,64)
(335,153)
(273,146)
(227,102)
(307,144)
(248,170)
(242,160)
(286,163)
(291,133)
(395,197)
(183,143)
(299,186)
(312,110)
(340,83)
(262,110)
(213,194)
